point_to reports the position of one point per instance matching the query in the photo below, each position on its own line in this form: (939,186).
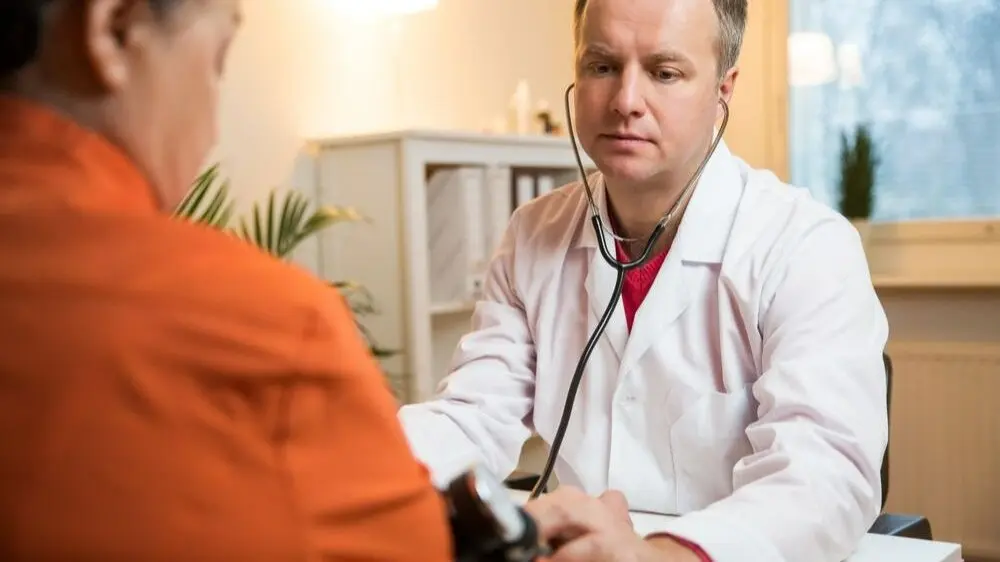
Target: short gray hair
(732,16)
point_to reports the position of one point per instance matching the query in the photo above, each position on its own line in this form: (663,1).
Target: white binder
(524,189)
(546,183)
(457,233)
(500,207)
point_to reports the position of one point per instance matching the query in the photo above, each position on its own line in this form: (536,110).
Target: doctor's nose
(628,100)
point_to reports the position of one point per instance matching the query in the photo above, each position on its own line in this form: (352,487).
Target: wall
(757,130)
(940,285)
(945,421)
(302,69)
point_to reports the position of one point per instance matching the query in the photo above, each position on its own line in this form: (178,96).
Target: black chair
(898,525)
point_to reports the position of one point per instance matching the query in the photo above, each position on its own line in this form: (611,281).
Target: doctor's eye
(598,68)
(666,74)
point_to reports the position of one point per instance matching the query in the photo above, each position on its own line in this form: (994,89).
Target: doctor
(739,382)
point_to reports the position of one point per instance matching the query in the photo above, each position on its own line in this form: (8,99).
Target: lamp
(387,18)
(812,59)
(384,7)
(851,71)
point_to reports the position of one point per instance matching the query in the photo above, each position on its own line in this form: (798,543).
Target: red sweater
(634,291)
(637,282)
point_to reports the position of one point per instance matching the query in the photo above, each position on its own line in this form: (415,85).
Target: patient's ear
(117,34)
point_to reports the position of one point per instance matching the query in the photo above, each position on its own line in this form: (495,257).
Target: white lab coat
(750,395)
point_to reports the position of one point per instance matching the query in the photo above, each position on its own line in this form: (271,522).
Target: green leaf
(278,227)
(293,209)
(361,301)
(202,184)
(381,353)
(287,223)
(258,234)
(375,349)
(218,212)
(858,169)
(207,202)
(244,230)
(326,216)
(321,219)
(271,233)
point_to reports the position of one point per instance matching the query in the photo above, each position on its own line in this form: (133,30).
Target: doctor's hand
(582,528)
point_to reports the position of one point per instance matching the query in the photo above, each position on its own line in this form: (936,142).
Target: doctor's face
(648,86)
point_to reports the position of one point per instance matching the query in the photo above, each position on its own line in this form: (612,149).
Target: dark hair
(21,29)
(732,15)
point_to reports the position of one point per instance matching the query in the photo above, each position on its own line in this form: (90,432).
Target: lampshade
(851,71)
(383,7)
(812,59)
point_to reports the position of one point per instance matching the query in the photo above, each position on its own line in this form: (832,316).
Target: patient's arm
(361,492)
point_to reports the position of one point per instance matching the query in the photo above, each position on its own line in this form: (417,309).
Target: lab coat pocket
(707,440)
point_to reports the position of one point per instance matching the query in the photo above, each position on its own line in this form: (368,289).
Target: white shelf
(448,308)
(385,176)
(493,140)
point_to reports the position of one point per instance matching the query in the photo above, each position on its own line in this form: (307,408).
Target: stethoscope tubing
(620,269)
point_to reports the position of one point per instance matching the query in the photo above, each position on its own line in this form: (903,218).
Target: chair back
(888,406)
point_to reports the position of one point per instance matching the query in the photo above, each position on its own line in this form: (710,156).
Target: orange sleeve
(363,494)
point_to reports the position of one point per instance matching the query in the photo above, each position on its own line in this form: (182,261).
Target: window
(925,76)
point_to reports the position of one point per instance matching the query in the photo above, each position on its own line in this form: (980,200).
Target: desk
(873,548)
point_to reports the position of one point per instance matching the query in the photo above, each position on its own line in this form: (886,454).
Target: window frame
(962,254)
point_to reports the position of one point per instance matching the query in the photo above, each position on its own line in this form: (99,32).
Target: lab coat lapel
(600,286)
(701,239)
(668,297)
(601,277)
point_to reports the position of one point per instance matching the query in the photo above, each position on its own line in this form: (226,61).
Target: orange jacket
(168,392)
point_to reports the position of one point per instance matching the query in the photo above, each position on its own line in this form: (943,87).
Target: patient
(166,391)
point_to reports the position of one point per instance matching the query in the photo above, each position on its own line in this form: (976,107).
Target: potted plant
(858,167)
(278,227)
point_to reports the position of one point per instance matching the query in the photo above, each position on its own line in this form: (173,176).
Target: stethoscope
(620,267)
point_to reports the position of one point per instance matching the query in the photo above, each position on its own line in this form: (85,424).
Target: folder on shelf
(499,205)
(457,234)
(546,183)
(524,189)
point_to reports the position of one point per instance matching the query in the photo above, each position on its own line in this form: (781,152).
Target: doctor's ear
(728,83)
(726,86)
